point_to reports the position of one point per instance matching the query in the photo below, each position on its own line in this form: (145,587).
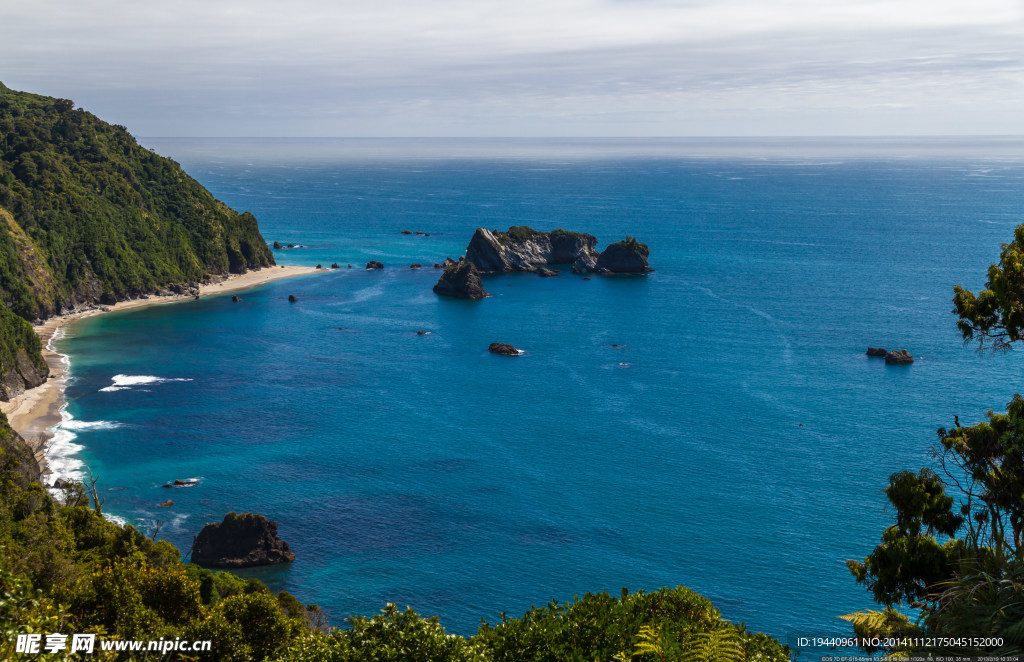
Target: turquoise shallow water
(743,451)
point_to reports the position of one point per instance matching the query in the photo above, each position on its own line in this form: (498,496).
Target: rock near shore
(502,348)
(240,541)
(461,280)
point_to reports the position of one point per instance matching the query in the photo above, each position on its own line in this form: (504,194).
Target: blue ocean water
(741,452)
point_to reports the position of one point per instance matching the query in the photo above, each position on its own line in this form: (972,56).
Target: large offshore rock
(526,249)
(624,257)
(240,541)
(461,280)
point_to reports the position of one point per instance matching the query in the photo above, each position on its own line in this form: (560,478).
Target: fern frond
(720,645)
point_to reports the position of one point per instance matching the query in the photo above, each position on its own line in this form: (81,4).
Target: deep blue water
(742,453)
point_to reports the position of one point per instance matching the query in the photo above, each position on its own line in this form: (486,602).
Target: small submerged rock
(415,265)
(277,245)
(406,231)
(234,297)
(374,264)
(166,504)
(182,482)
(334,265)
(546,273)
(880,352)
(502,348)
(292,298)
(421,332)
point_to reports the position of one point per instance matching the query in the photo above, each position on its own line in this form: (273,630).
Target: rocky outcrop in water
(624,257)
(878,352)
(374,264)
(461,280)
(899,357)
(525,249)
(240,541)
(502,348)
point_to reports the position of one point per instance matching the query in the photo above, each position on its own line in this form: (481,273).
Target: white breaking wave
(62,450)
(122,382)
(72,424)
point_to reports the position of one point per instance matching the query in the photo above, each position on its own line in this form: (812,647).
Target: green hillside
(87,215)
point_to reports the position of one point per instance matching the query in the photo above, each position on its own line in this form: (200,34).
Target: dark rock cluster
(898,357)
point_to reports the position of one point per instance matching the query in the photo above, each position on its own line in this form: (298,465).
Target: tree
(995,317)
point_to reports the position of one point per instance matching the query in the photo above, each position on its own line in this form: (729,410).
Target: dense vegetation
(92,214)
(64,568)
(955,550)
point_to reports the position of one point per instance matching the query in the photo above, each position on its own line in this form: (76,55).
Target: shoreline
(35,413)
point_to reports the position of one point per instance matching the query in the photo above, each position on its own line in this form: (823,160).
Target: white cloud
(637,67)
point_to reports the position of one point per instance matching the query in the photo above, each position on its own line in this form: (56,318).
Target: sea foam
(124,382)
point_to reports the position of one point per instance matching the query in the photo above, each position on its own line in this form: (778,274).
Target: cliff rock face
(24,375)
(525,249)
(21,364)
(17,461)
(624,257)
(461,280)
(240,541)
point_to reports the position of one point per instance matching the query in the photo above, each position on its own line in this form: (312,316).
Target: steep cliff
(89,216)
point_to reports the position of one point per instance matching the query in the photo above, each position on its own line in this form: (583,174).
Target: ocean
(736,441)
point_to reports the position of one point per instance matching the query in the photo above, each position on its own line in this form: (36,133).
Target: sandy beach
(34,412)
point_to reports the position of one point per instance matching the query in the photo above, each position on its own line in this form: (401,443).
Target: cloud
(531,67)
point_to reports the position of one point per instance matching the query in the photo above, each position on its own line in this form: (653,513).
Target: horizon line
(943,136)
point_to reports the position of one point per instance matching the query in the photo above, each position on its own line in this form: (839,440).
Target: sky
(526,67)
